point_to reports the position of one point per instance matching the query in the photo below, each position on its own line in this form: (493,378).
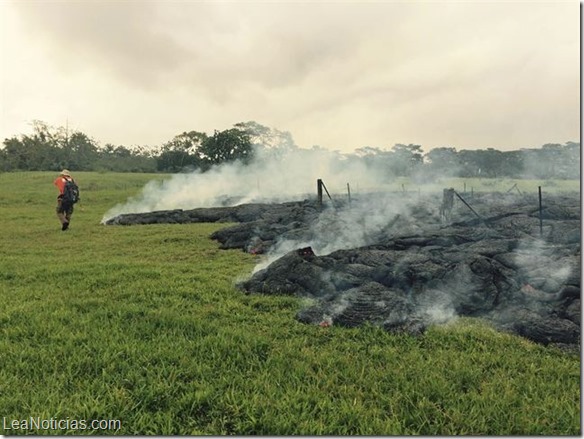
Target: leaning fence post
(540,213)
(468,205)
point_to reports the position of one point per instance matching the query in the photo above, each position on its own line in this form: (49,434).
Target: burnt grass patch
(494,256)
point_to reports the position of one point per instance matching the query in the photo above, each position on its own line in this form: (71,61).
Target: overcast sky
(341,75)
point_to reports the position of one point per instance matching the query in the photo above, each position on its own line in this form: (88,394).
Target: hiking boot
(65,226)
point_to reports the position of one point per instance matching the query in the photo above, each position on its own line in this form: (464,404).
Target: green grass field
(478,185)
(143,325)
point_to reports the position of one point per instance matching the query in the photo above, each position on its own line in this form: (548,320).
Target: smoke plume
(274,175)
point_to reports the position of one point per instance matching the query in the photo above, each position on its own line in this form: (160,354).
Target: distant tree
(552,160)
(372,157)
(511,164)
(49,148)
(258,133)
(443,162)
(570,162)
(81,152)
(469,164)
(35,152)
(188,141)
(368,151)
(226,146)
(268,144)
(490,163)
(262,137)
(46,134)
(13,155)
(123,159)
(183,153)
(406,159)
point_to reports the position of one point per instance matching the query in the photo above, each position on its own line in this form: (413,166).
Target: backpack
(70,192)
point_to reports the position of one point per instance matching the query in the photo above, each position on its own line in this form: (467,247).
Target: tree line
(51,149)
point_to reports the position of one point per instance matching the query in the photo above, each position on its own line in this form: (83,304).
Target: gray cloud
(343,75)
(118,38)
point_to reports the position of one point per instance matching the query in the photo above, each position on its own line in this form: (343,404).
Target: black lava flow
(507,262)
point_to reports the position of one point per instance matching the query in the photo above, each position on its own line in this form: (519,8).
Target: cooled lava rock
(503,261)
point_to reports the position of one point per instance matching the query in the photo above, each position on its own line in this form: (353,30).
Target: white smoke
(361,223)
(274,175)
(542,269)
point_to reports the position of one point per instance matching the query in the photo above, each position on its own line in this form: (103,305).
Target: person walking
(68,196)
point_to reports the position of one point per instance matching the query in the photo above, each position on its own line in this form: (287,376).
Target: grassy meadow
(143,325)
(478,185)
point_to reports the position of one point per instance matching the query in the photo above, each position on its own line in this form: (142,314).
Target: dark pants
(64,211)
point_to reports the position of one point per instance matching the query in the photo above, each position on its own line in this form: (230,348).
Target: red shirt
(60,183)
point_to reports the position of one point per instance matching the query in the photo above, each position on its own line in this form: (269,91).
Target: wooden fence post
(540,213)
(349,192)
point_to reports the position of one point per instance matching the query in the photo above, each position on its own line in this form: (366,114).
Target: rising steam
(276,176)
